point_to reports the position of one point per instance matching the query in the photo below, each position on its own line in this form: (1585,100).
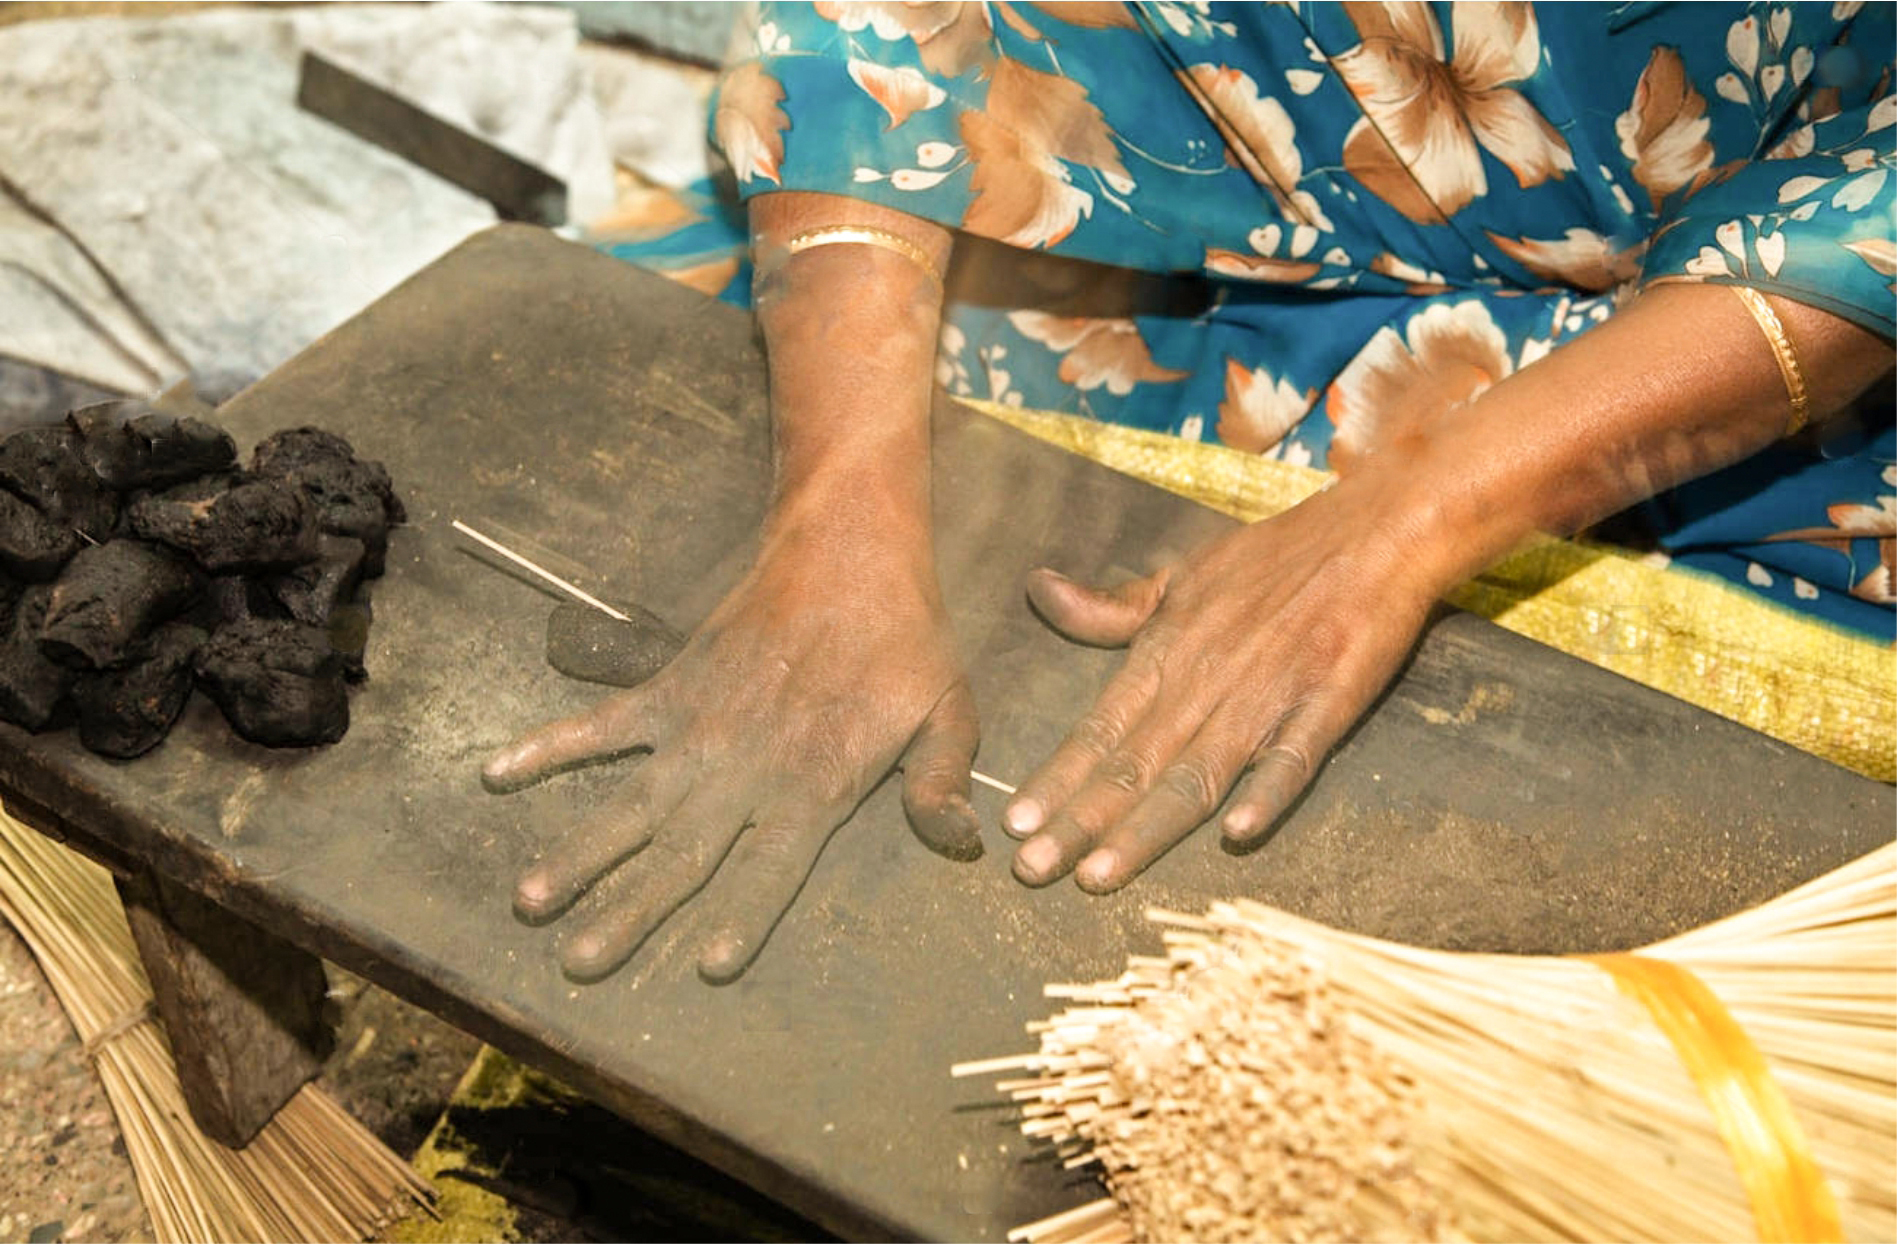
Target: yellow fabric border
(1797,679)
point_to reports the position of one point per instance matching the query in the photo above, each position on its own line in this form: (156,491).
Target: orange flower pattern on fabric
(1259,137)
(902,92)
(1259,267)
(1090,14)
(1664,129)
(1427,120)
(1879,253)
(951,38)
(1582,259)
(749,124)
(1415,279)
(1096,352)
(1258,410)
(1034,125)
(1446,357)
(1851,523)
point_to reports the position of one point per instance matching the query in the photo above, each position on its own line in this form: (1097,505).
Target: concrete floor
(63,1170)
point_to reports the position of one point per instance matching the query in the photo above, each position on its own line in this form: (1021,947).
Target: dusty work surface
(1503,796)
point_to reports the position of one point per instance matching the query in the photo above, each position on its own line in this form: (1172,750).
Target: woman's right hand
(827,666)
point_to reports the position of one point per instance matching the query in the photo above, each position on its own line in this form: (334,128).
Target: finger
(1284,766)
(684,853)
(1093,738)
(1186,792)
(1109,790)
(618,723)
(1103,617)
(603,840)
(1048,855)
(935,777)
(771,862)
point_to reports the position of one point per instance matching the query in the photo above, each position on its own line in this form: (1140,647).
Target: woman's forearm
(850,332)
(1681,383)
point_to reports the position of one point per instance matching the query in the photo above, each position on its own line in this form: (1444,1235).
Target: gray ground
(63,1170)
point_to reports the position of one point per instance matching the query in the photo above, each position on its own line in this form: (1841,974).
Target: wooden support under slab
(243,1008)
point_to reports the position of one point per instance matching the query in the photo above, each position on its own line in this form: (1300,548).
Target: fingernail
(964,849)
(1097,870)
(1023,817)
(1241,822)
(532,893)
(584,959)
(719,964)
(1038,858)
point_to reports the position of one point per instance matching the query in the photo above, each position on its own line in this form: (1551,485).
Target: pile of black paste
(138,560)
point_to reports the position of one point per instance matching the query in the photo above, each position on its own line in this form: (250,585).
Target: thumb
(1102,617)
(935,777)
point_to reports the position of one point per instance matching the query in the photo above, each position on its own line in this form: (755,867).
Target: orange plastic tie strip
(1791,1201)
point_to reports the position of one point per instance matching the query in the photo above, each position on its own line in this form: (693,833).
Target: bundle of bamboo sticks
(1272,1078)
(312,1173)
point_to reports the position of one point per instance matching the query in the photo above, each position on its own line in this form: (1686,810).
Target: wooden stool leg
(243,1008)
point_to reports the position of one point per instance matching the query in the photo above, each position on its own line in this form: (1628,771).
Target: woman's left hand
(1262,649)
(1258,652)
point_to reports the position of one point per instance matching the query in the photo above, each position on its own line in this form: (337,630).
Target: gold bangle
(1782,351)
(832,235)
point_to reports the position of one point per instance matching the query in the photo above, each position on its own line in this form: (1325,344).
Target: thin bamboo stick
(1269,1077)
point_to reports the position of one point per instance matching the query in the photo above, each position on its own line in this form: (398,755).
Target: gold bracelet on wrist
(1782,351)
(866,235)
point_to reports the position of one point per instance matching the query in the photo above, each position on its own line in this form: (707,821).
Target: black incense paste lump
(235,598)
(279,683)
(129,446)
(43,467)
(584,643)
(138,560)
(32,546)
(109,597)
(355,497)
(126,712)
(257,526)
(314,591)
(349,636)
(32,688)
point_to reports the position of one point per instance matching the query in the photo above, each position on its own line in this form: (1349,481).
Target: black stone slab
(1502,796)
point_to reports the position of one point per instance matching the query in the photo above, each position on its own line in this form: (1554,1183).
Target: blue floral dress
(1397,205)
